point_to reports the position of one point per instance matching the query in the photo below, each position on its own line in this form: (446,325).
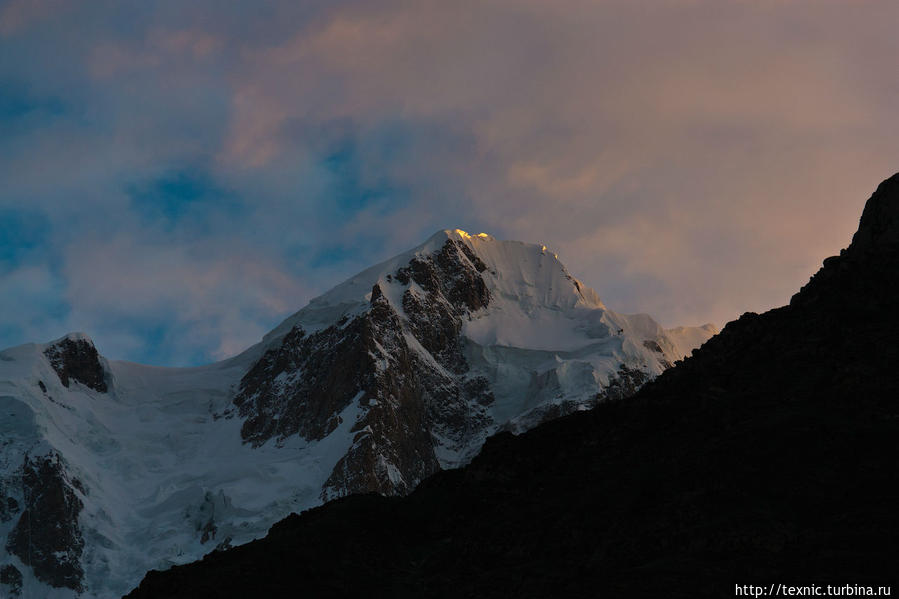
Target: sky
(179,177)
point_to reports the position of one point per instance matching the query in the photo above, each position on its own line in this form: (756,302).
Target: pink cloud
(224,301)
(17,15)
(769,115)
(162,48)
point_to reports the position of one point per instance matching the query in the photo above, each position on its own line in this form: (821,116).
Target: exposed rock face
(624,385)
(47,536)
(77,359)
(304,385)
(12,579)
(409,400)
(392,450)
(9,507)
(453,273)
(301,386)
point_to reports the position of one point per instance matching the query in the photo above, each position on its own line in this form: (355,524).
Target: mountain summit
(434,350)
(768,457)
(109,468)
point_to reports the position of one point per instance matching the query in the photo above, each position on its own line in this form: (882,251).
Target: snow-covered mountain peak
(531,275)
(481,317)
(399,371)
(521,278)
(437,240)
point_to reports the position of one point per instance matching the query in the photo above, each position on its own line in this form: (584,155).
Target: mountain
(109,468)
(768,457)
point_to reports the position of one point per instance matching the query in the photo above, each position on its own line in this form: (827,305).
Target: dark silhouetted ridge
(770,455)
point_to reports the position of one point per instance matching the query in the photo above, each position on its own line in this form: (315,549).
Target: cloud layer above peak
(179,177)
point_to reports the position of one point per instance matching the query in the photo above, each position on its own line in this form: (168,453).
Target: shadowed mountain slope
(770,455)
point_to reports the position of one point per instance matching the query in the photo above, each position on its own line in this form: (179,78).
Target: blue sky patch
(21,111)
(175,195)
(20,232)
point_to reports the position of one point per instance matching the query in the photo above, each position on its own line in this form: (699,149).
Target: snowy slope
(155,462)
(143,467)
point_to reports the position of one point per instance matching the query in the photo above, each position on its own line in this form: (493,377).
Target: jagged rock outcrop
(770,454)
(409,399)
(9,507)
(47,536)
(301,386)
(76,358)
(11,578)
(391,449)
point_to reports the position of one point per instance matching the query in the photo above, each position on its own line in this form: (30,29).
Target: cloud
(30,304)
(209,301)
(690,159)
(167,49)
(16,15)
(621,134)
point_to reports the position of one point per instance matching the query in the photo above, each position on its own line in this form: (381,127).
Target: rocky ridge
(47,536)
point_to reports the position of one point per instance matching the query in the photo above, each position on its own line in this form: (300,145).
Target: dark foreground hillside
(771,455)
